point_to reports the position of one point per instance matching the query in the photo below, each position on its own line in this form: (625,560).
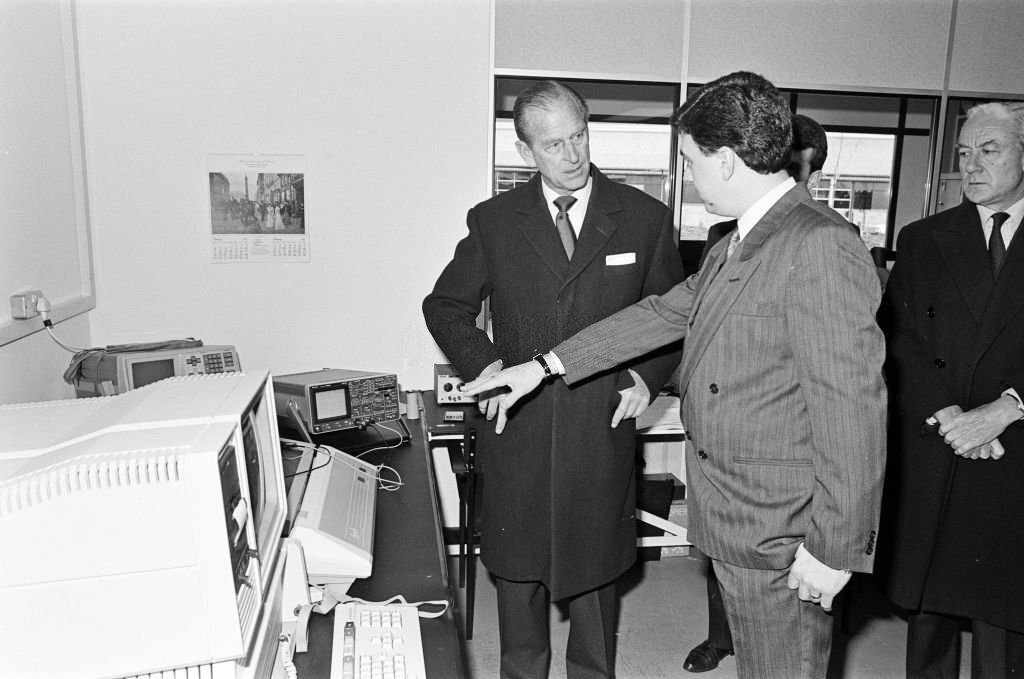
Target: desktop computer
(142,532)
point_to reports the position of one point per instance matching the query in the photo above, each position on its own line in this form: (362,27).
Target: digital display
(146,372)
(331,404)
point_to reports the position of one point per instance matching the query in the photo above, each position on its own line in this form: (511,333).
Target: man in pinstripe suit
(781,385)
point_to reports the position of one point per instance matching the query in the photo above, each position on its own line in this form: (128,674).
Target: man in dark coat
(559,494)
(955,322)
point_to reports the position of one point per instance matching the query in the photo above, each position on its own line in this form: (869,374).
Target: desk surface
(408,559)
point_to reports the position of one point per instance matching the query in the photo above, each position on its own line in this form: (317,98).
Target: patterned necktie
(733,243)
(996,246)
(564,226)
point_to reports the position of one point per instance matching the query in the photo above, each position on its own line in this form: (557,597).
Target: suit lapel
(1005,300)
(961,245)
(598,227)
(719,290)
(538,228)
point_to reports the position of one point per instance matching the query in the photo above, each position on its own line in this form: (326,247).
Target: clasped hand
(974,434)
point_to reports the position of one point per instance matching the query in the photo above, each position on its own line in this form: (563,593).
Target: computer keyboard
(377,641)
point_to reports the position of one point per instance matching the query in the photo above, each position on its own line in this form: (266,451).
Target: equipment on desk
(332,399)
(141,532)
(446,385)
(119,368)
(335,519)
(381,641)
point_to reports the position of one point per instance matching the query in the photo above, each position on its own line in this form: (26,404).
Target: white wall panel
(988,48)
(639,39)
(828,44)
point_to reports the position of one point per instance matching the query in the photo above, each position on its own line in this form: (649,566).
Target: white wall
(43,226)
(872,44)
(389,102)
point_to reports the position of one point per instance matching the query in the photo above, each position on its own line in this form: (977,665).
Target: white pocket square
(620,259)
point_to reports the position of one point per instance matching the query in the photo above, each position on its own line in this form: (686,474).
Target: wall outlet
(23,304)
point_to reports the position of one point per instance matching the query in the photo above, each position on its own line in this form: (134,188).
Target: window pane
(857,180)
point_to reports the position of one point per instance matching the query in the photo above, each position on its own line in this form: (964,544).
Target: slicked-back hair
(545,95)
(742,111)
(808,134)
(1007,109)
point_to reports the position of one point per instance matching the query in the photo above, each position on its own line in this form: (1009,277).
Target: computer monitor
(141,532)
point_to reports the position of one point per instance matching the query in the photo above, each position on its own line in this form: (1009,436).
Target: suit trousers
(524,614)
(933,649)
(775,634)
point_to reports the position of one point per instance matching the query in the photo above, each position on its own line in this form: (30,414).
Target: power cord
(43,307)
(382,472)
(400,599)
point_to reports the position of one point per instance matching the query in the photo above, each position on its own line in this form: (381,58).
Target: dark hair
(742,111)
(545,95)
(808,134)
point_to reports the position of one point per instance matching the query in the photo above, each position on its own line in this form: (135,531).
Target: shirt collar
(760,208)
(582,197)
(1016,212)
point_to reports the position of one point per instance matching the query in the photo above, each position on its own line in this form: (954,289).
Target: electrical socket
(24,304)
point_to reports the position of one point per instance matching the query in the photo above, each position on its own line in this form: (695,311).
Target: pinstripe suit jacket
(782,393)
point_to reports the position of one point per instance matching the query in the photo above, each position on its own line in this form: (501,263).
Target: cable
(377,426)
(385,484)
(389,485)
(43,307)
(399,599)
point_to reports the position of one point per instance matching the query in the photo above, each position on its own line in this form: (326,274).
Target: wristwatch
(544,364)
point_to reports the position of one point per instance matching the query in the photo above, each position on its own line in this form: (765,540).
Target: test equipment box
(446,385)
(333,399)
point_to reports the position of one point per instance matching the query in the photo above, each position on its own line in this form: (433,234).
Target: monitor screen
(146,372)
(261,450)
(330,403)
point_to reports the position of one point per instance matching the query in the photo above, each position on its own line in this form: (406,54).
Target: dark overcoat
(955,336)
(558,497)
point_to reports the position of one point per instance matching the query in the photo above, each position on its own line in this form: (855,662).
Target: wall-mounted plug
(24,304)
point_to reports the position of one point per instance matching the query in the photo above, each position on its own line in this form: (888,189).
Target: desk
(408,559)
(459,441)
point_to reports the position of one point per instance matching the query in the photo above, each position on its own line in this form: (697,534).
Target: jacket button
(940,363)
(702,455)
(930,312)
(713,388)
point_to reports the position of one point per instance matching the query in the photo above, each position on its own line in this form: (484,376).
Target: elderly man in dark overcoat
(558,496)
(954,313)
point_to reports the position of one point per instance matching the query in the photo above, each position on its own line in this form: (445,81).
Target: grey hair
(1014,110)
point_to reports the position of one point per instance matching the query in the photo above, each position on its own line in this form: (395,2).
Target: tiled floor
(664,614)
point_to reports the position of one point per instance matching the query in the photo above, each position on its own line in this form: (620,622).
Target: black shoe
(705,657)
